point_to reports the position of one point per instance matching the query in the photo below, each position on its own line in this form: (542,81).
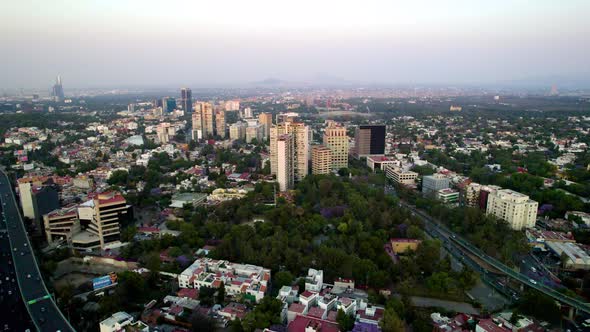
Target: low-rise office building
(400,176)
(435,182)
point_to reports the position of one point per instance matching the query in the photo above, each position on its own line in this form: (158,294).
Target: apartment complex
(471,194)
(254,131)
(165,130)
(207,121)
(321,160)
(250,281)
(220,122)
(369,140)
(197,121)
(399,176)
(336,140)
(300,135)
(237,131)
(285,161)
(265,119)
(513,207)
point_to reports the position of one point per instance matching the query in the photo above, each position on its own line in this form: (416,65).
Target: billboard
(104,281)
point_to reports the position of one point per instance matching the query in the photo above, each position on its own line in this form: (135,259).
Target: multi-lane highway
(14,315)
(39,303)
(446,235)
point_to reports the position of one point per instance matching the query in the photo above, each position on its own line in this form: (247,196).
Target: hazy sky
(214,42)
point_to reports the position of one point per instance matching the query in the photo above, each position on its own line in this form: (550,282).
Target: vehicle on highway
(28,276)
(533,281)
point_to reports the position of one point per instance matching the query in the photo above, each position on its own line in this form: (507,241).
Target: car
(43,309)
(15,249)
(532,281)
(25,244)
(28,276)
(22,253)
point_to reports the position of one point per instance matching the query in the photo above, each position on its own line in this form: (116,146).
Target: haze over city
(295,166)
(225,43)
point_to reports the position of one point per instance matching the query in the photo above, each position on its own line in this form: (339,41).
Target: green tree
(282,278)
(345,322)
(391,322)
(265,314)
(221,293)
(200,322)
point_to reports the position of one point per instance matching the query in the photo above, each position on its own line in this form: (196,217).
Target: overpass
(44,312)
(448,235)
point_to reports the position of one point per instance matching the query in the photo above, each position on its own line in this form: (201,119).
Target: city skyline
(458,42)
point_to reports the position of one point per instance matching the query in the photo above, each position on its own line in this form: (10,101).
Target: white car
(533,281)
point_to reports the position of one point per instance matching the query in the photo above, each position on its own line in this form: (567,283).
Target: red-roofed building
(370,315)
(332,315)
(381,162)
(310,324)
(294,310)
(316,312)
(234,310)
(191,293)
(488,325)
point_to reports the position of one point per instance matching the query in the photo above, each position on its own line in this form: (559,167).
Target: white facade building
(515,208)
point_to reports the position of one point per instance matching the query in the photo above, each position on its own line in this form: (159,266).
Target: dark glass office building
(369,140)
(186,99)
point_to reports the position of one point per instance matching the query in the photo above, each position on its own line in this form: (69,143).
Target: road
(14,314)
(38,301)
(434,227)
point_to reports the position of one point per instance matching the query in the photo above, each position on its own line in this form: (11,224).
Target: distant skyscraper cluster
(58,91)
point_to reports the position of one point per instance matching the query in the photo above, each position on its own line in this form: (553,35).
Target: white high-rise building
(254,132)
(197,131)
(248,113)
(302,146)
(285,161)
(237,131)
(515,208)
